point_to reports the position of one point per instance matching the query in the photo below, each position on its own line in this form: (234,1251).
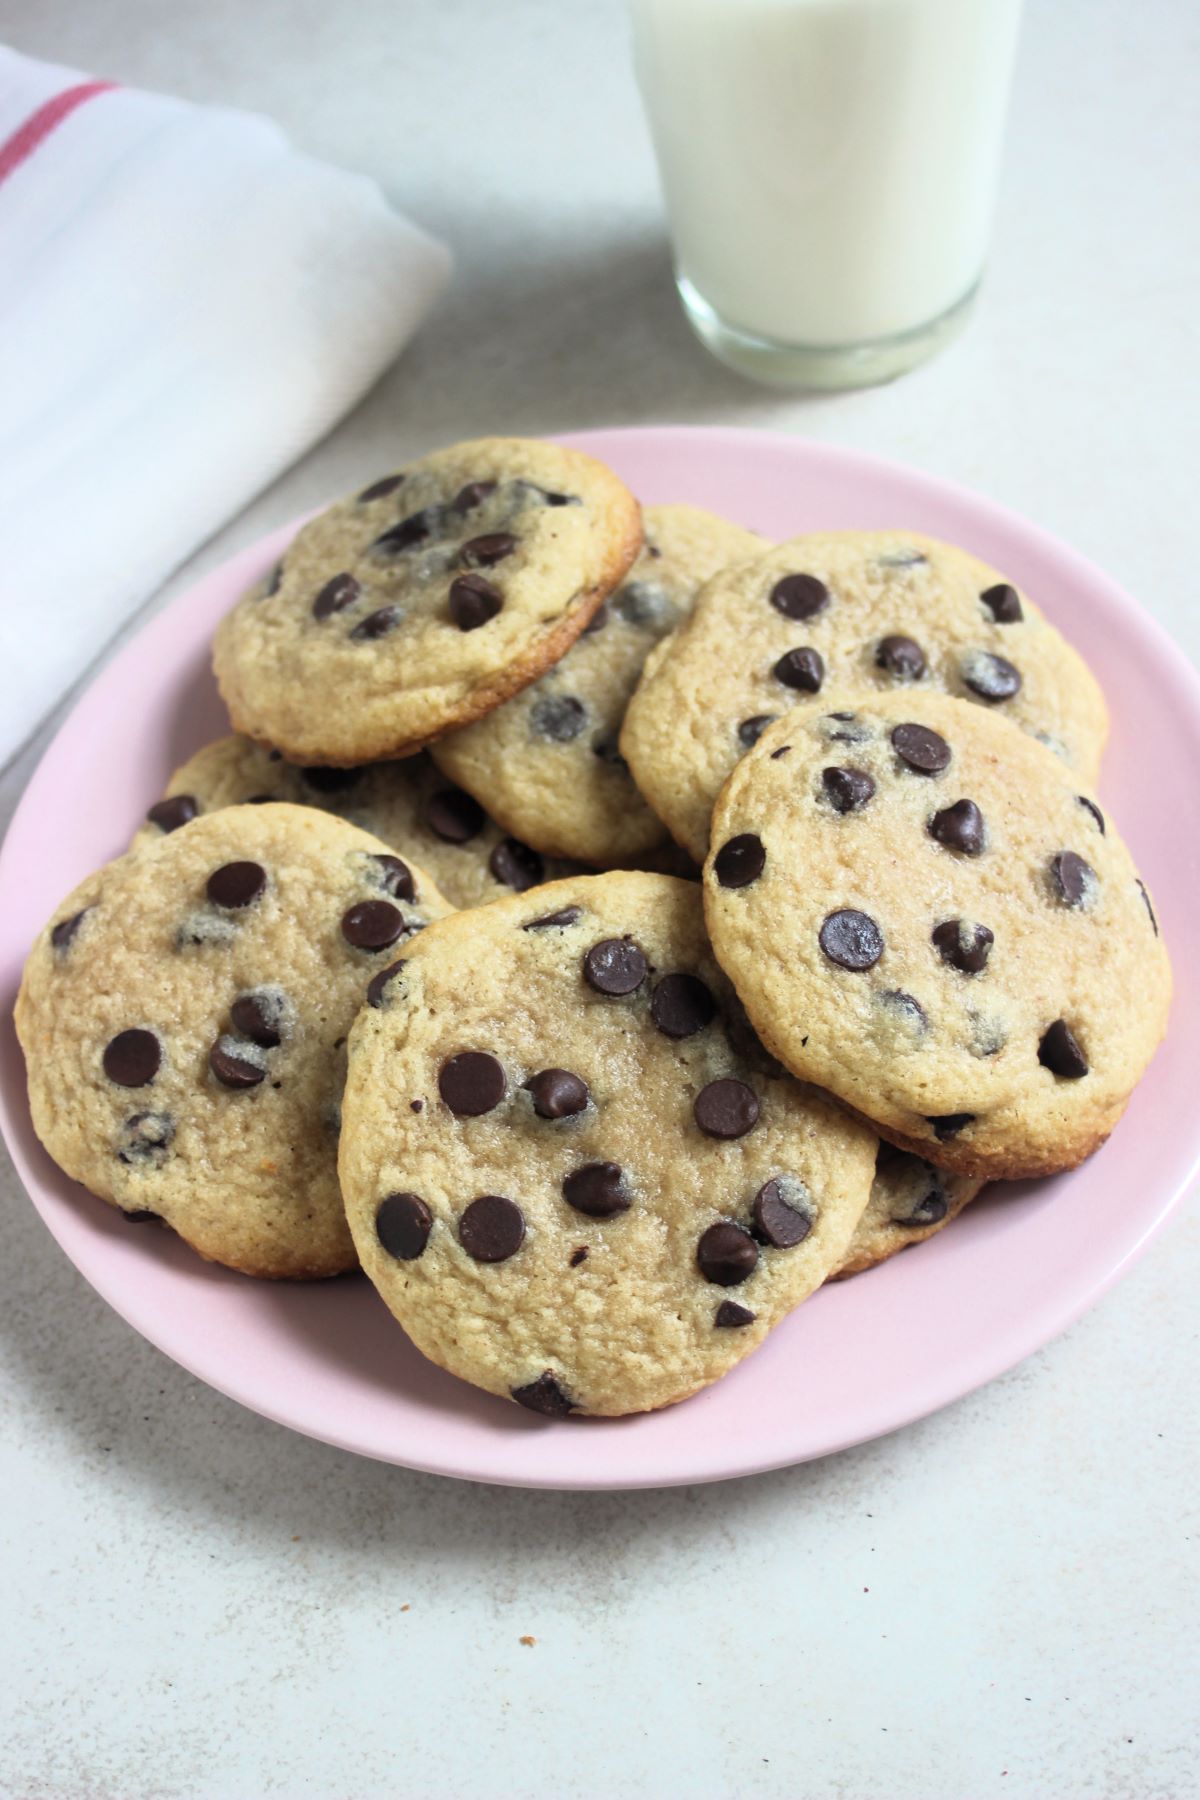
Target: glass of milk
(829,169)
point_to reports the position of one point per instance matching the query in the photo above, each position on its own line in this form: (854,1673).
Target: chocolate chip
(922,749)
(729,1315)
(726,1254)
(409,532)
(544,1396)
(1094,810)
(454,816)
(902,657)
(750,730)
(205,927)
(331,781)
(337,594)
(801,669)
(378,489)
(783,750)
(379,982)
(851,939)
(644,604)
(906,1010)
(783,1213)
(416,1106)
(932,1206)
(615,966)
(372,925)
(557,1093)
(1060,1053)
(558,716)
(726,1108)
(948,1125)
(598,620)
(231,1069)
(403,1223)
(473,601)
(376,624)
(471,1083)
(566,915)
(597,1189)
(492,1229)
(276,580)
(145,1140)
(395,877)
(963,945)
(960,827)
(740,860)
(991,677)
(65,930)
(799,596)
(578,1256)
(1145,897)
(485,552)
(682,1005)
(988,1035)
(132,1058)
(850,728)
(236,884)
(515,865)
(1072,879)
(1004,603)
(847,790)
(170,814)
(259,1017)
(558,499)
(608,748)
(473,495)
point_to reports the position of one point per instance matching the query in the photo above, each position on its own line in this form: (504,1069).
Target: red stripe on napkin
(38,126)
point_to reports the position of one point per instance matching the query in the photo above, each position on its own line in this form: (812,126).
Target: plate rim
(714,1463)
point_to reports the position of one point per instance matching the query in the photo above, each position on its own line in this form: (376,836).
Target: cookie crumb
(530,1641)
(406,1607)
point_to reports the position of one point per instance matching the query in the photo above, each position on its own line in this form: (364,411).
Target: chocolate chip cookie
(925,912)
(424,601)
(573,1175)
(184,1018)
(417,812)
(864,610)
(547,764)
(910,1201)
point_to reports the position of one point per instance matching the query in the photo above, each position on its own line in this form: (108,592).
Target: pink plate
(859,1359)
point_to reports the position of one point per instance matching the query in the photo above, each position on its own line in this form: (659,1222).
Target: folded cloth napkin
(186,303)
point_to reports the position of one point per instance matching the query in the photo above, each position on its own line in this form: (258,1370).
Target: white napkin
(186,303)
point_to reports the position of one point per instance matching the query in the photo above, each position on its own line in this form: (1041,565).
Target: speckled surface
(999,1601)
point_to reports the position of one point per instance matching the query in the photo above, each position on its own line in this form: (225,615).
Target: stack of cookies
(414,973)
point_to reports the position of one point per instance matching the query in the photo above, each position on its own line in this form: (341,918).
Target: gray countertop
(999,1601)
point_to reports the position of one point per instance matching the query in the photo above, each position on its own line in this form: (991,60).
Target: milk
(829,166)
